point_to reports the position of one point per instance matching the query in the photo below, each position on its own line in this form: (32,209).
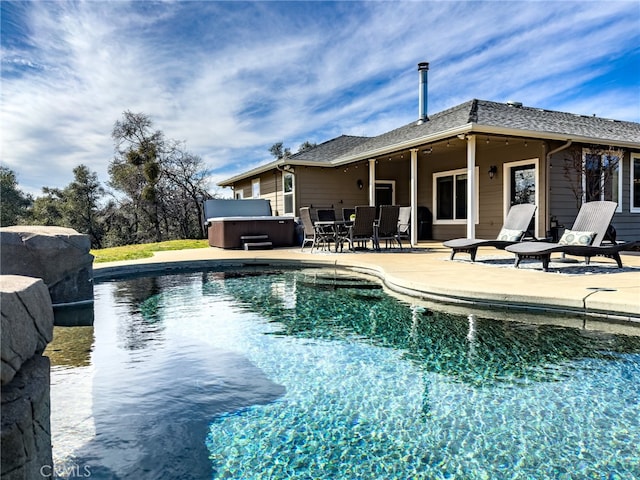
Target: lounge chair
(361,230)
(585,239)
(513,230)
(386,228)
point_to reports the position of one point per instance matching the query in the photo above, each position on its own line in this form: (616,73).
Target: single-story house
(466,166)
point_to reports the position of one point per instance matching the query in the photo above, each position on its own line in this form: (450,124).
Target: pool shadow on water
(151,420)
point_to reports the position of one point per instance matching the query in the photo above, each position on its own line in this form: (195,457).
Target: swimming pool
(308,374)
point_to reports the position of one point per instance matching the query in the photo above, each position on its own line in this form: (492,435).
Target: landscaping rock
(25,435)
(59,256)
(27,322)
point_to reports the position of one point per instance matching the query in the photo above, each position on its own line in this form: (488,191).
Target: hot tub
(228,220)
(226,232)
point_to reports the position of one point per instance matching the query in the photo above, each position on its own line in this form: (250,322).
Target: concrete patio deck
(599,290)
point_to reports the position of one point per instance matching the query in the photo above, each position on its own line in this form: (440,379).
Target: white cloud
(231,79)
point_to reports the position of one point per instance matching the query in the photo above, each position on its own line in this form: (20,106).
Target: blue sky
(232,78)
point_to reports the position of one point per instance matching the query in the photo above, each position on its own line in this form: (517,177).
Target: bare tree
(592,175)
(187,179)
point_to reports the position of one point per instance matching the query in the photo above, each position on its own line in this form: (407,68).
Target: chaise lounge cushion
(572,237)
(508,235)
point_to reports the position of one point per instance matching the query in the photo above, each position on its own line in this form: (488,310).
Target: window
(635,183)
(255,188)
(385,192)
(602,176)
(520,185)
(450,196)
(287,181)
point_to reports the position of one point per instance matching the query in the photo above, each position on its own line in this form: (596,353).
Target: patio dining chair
(361,231)
(326,214)
(317,235)
(386,228)
(347,212)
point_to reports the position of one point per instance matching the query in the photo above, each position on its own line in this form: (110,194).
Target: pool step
(256,242)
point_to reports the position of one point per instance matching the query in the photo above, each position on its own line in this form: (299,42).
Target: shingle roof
(549,121)
(474,116)
(482,115)
(329,150)
(439,122)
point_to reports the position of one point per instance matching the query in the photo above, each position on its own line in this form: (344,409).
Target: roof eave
(474,128)
(413,143)
(513,132)
(469,128)
(278,164)
(251,173)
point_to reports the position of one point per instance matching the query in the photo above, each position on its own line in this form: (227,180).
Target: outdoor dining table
(339,229)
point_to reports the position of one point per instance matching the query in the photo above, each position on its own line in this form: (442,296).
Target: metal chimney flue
(423,68)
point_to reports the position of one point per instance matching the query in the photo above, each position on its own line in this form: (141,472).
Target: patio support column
(471,186)
(372,182)
(414,197)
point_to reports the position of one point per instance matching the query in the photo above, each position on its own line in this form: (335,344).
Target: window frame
(611,153)
(454,173)
(255,188)
(506,193)
(392,183)
(286,194)
(632,187)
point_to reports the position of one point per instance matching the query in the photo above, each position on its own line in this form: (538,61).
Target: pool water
(308,375)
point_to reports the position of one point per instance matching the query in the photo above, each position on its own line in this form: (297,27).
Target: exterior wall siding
(244,187)
(331,187)
(563,203)
(626,223)
(491,211)
(565,206)
(398,170)
(440,160)
(268,184)
(337,188)
(270,189)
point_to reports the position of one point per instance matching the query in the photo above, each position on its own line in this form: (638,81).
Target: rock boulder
(25,436)
(27,322)
(59,256)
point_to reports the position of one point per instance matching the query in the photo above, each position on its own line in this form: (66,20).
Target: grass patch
(133,252)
